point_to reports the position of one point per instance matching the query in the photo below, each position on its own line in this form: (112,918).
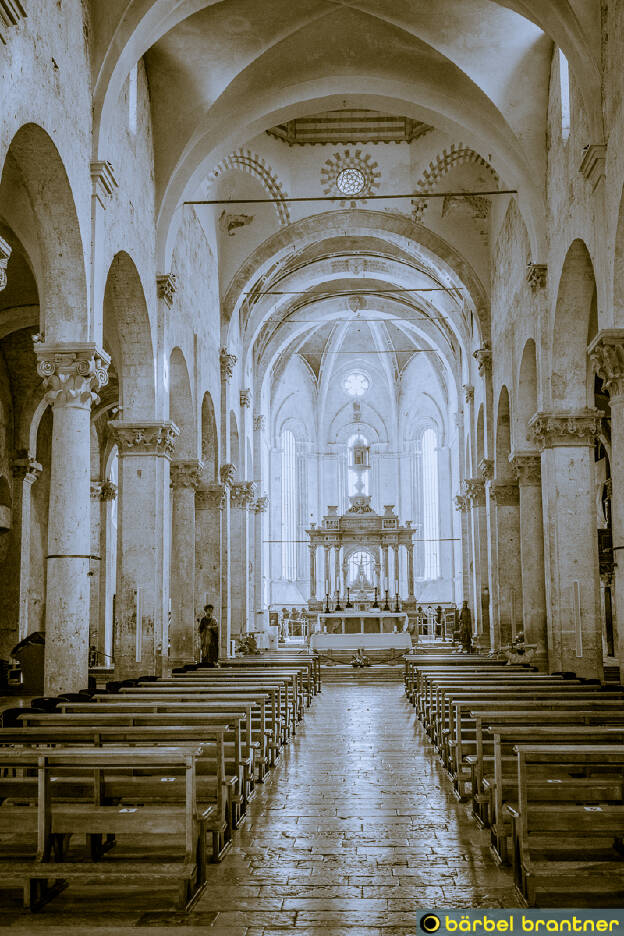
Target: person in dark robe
(209,636)
(465,628)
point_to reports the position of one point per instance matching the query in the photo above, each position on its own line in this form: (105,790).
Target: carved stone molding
(259,423)
(5,254)
(186,473)
(468,392)
(505,493)
(245,398)
(593,163)
(242,494)
(108,491)
(483,357)
(486,468)
(227,473)
(537,275)
(527,468)
(72,374)
(260,504)
(25,468)
(227,362)
(103,182)
(166,285)
(462,503)
(210,497)
(474,490)
(11,12)
(95,490)
(144,438)
(550,430)
(606,352)
(230,223)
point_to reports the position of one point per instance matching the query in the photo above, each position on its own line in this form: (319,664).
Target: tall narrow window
(356,477)
(132,99)
(289,506)
(564,81)
(431,526)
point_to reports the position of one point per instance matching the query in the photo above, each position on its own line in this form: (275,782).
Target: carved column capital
(474,490)
(483,357)
(144,438)
(259,423)
(527,468)
(245,398)
(505,493)
(72,373)
(103,182)
(25,468)
(227,473)
(227,362)
(606,352)
(186,473)
(260,504)
(5,254)
(242,494)
(468,393)
(537,275)
(166,285)
(486,469)
(210,497)
(578,427)
(462,503)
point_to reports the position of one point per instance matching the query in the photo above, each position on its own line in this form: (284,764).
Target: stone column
(462,504)
(227,474)
(607,356)
(261,614)
(527,469)
(566,441)
(504,496)
(185,480)
(72,375)
(410,571)
(107,496)
(209,502)
(25,472)
(326,583)
(336,569)
(242,494)
(396,585)
(141,625)
(312,551)
(385,570)
(474,491)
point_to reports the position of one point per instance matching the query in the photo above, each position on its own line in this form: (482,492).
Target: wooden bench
(568,851)
(45,819)
(290,684)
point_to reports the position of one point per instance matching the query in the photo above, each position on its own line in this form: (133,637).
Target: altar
(362,641)
(362,622)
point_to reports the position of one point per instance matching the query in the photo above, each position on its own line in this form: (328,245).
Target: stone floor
(353,833)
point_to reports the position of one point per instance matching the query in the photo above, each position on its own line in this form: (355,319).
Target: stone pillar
(141,625)
(336,569)
(107,496)
(566,441)
(410,570)
(261,615)
(385,570)
(72,375)
(396,585)
(312,551)
(607,356)
(227,474)
(527,469)
(242,494)
(462,504)
(504,497)
(25,472)
(474,491)
(326,583)
(209,502)
(185,480)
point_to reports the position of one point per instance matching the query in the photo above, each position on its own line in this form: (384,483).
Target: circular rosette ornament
(350,173)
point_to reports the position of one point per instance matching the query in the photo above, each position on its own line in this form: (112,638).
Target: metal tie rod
(342,198)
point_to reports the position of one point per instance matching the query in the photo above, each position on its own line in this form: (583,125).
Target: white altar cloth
(398,641)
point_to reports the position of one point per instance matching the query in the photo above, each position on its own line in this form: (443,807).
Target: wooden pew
(46,819)
(290,682)
(568,851)
(308,666)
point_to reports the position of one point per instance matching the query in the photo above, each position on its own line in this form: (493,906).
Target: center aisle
(355,830)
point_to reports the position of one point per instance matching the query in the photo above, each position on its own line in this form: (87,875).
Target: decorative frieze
(242,494)
(260,504)
(537,275)
(527,468)
(580,427)
(245,398)
(11,12)
(483,357)
(26,468)
(103,182)
(468,393)
(462,503)
(166,285)
(606,352)
(5,253)
(486,469)
(593,163)
(505,493)
(186,474)
(474,490)
(210,497)
(227,362)
(144,438)
(259,423)
(72,374)
(227,474)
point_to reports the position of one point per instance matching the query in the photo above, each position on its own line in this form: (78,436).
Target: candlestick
(386,606)
(348,604)
(375,602)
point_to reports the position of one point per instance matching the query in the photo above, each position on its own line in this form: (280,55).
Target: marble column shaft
(242,494)
(505,501)
(527,469)
(474,491)
(410,571)
(185,480)
(25,472)
(209,502)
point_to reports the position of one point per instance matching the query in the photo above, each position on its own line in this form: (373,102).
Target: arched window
(431,524)
(564,81)
(360,561)
(289,506)
(352,475)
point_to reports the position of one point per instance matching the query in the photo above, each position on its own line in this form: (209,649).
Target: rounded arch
(36,199)
(526,396)
(128,336)
(503,437)
(210,439)
(181,405)
(576,296)
(256,166)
